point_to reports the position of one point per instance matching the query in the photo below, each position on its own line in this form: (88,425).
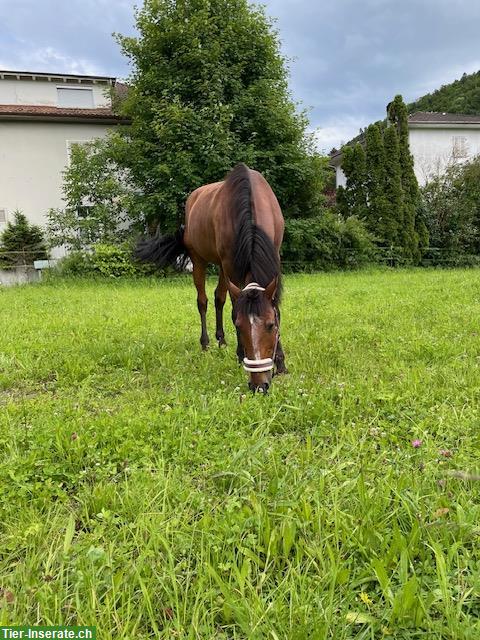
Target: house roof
(67,77)
(433,117)
(429,118)
(43,112)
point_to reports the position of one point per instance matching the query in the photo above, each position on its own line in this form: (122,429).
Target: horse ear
(271,289)
(234,290)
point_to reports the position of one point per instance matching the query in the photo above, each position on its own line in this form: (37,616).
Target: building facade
(41,116)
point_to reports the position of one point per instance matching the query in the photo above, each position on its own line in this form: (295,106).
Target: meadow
(144,490)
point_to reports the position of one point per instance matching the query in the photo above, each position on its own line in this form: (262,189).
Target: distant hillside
(461,96)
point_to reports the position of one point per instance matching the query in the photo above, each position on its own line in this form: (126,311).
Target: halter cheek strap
(262,364)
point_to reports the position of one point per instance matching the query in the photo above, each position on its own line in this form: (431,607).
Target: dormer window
(75,97)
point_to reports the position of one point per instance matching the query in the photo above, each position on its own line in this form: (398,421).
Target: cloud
(58,36)
(348,58)
(337,131)
(366,53)
(49,59)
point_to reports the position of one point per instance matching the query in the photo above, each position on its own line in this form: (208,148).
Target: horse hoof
(222,343)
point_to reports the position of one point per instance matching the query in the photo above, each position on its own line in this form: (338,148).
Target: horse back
(201,212)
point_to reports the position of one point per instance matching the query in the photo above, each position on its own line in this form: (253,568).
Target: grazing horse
(238,225)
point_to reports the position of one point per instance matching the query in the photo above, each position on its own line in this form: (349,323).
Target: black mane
(254,254)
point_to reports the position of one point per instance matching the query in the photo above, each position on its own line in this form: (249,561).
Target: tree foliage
(21,243)
(398,116)
(451,208)
(209,89)
(352,200)
(380,217)
(389,201)
(393,191)
(100,199)
(327,242)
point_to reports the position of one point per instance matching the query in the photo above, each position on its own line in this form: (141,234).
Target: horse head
(257,323)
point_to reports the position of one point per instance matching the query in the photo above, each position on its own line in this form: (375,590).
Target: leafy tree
(209,89)
(451,207)
(21,242)
(100,200)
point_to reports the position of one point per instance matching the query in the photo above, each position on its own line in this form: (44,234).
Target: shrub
(450,208)
(327,242)
(22,242)
(112,261)
(76,263)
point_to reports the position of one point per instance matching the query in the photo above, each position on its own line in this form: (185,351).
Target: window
(3,218)
(80,98)
(83,211)
(459,147)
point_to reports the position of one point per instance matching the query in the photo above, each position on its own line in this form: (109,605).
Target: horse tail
(164,250)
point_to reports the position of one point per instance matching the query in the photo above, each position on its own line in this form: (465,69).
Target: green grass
(143,490)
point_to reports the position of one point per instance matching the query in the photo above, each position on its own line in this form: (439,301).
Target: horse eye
(270,326)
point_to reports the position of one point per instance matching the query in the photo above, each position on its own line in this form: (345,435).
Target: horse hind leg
(199,270)
(220,297)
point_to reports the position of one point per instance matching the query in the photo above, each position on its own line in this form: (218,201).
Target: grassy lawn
(143,490)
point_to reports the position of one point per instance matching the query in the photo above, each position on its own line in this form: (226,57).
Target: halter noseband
(262,364)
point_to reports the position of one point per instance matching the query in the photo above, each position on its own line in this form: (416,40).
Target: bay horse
(238,225)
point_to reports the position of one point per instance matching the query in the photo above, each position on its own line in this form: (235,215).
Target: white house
(41,116)
(436,140)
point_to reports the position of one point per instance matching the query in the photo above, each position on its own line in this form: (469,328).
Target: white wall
(40,92)
(32,158)
(434,148)
(341,178)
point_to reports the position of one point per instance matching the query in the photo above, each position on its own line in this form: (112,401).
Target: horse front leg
(220,297)
(199,270)
(240,349)
(279,356)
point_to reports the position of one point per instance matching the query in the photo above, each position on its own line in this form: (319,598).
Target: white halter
(262,364)
(253,285)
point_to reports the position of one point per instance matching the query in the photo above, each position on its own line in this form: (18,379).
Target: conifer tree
(352,200)
(378,219)
(398,115)
(21,243)
(393,184)
(359,182)
(341,197)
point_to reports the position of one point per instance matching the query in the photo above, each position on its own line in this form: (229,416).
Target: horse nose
(260,388)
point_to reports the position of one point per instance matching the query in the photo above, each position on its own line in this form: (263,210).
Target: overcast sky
(349,57)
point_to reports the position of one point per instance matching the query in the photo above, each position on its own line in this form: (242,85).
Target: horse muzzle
(258,366)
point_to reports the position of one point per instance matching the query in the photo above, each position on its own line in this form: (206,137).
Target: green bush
(450,207)
(76,263)
(326,242)
(107,260)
